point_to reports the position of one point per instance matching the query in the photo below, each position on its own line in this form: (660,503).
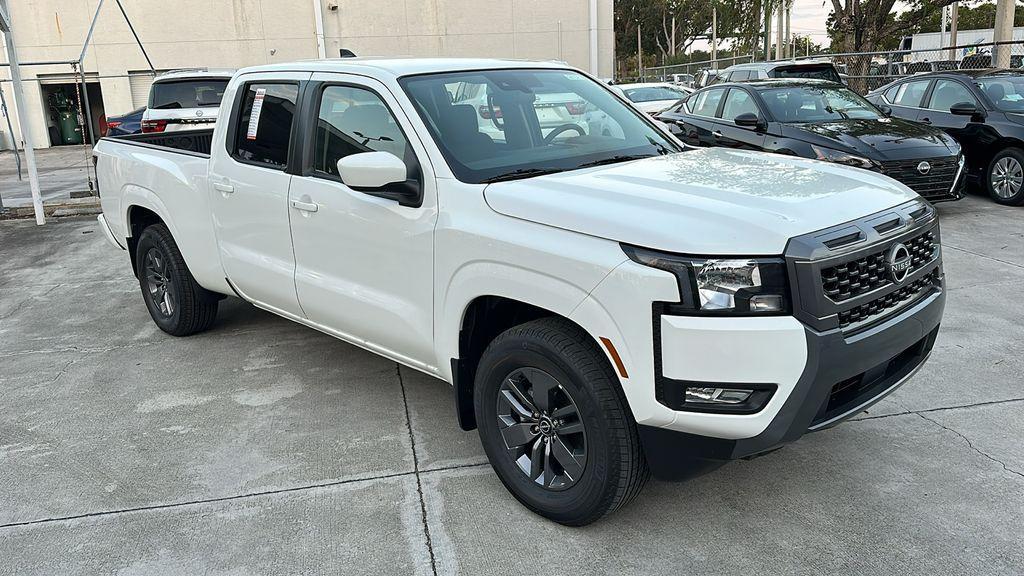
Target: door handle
(223,188)
(925,121)
(717,133)
(305,206)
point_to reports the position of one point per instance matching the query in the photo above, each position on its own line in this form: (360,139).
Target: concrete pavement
(63,171)
(262,447)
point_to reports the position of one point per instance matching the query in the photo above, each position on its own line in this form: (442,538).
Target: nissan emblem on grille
(924,167)
(899,262)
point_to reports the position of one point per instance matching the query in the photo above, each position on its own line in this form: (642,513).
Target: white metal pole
(594,61)
(780,16)
(714,37)
(942,28)
(318,17)
(19,104)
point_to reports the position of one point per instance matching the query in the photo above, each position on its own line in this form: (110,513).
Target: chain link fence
(866,71)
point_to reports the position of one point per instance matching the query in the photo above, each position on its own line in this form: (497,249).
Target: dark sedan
(983,109)
(821,120)
(130,123)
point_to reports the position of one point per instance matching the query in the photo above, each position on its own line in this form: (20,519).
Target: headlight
(727,285)
(830,155)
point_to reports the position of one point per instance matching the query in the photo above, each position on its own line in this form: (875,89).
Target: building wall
(237,33)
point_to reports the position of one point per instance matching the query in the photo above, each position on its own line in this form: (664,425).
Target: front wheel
(176,302)
(555,425)
(1005,178)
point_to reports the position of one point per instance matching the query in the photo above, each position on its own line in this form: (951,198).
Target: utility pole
(767,29)
(778,33)
(952,30)
(672,48)
(639,54)
(1003,33)
(789,31)
(19,104)
(714,36)
(942,27)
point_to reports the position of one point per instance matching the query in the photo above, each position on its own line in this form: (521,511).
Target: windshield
(505,124)
(817,104)
(822,72)
(653,94)
(1005,92)
(198,93)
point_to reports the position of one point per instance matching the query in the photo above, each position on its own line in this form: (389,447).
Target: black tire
(177,304)
(1004,178)
(614,469)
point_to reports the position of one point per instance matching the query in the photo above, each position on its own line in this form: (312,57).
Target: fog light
(717,395)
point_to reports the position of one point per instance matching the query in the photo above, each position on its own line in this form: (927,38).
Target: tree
(870,25)
(970,18)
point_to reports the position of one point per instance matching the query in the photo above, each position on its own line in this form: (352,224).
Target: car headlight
(830,155)
(722,285)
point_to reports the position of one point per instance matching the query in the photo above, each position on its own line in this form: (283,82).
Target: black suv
(983,109)
(821,120)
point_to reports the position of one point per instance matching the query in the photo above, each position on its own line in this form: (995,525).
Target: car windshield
(506,124)
(653,94)
(817,104)
(1005,92)
(198,93)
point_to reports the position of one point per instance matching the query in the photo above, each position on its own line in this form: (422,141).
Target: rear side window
(264,124)
(739,76)
(201,93)
(706,103)
(911,93)
(354,120)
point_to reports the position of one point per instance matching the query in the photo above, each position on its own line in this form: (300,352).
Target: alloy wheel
(542,428)
(1007,177)
(159,287)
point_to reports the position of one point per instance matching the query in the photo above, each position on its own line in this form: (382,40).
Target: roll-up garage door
(140,83)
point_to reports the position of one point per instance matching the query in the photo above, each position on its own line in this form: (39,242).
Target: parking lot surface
(263,447)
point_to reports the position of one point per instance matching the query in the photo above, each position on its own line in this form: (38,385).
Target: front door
(249,189)
(727,133)
(364,263)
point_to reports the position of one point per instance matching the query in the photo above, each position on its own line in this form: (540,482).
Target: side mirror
(965,109)
(885,110)
(380,174)
(371,170)
(748,120)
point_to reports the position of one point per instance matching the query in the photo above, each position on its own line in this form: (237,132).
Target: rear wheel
(555,425)
(176,302)
(1005,178)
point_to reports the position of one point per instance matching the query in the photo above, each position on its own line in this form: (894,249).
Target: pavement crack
(416,471)
(24,303)
(980,255)
(973,447)
(939,409)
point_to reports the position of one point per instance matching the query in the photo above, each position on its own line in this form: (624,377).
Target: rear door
(699,124)
(249,182)
(727,133)
(364,263)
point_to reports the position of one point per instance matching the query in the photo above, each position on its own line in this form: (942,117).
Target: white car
(185,100)
(653,97)
(606,306)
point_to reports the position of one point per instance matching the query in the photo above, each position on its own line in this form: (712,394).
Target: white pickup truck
(607,303)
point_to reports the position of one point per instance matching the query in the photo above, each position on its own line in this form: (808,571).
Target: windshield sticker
(254,116)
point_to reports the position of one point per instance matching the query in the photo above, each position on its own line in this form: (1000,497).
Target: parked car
(825,121)
(185,100)
(812,69)
(705,78)
(653,97)
(553,283)
(982,109)
(684,80)
(130,123)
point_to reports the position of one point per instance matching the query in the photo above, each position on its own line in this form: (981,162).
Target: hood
(880,139)
(711,201)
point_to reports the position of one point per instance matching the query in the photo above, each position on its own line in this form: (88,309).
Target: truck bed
(190,141)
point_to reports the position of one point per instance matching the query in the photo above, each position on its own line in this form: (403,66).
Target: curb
(56,209)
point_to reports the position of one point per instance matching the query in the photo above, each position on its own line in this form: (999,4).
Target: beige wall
(236,33)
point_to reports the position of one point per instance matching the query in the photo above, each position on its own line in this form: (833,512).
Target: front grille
(938,180)
(890,302)
(856,277)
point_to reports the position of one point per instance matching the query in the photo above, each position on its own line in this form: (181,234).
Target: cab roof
(398,67)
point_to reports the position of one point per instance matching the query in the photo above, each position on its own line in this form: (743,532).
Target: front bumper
(843,376)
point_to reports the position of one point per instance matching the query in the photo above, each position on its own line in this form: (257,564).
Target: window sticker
(254,116)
